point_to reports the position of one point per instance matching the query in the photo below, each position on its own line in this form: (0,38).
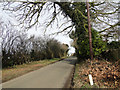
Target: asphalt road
(51,76)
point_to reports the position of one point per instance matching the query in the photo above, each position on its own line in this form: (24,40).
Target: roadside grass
(79,82)
(81,79)
(18,70)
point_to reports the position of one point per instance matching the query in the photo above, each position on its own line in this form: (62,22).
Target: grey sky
(39,31)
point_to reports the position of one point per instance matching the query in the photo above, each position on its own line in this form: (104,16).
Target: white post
(91,80)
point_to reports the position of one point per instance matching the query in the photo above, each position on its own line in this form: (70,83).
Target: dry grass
(18,70)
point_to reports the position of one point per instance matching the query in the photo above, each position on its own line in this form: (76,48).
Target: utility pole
(89,30)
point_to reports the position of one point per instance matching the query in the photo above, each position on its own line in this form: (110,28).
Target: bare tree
(102,13)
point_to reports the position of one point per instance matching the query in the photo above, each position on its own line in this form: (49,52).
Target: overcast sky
(39,31)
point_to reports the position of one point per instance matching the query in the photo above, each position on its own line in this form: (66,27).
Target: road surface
(51,76)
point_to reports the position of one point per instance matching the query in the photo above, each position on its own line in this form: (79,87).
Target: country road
(52,76)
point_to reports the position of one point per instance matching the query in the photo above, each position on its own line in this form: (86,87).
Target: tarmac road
(51,76)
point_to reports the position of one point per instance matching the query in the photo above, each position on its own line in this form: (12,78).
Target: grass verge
(18,70)
(105,74)
(78,82)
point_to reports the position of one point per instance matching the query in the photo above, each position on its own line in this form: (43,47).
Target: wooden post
(89,31)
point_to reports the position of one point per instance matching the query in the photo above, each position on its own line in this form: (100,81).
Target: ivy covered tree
(82,45)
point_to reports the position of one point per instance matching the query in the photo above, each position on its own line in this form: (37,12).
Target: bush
(112,52)
(40,49)
(98,45)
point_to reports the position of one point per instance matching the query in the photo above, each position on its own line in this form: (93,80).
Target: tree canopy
(104,17)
